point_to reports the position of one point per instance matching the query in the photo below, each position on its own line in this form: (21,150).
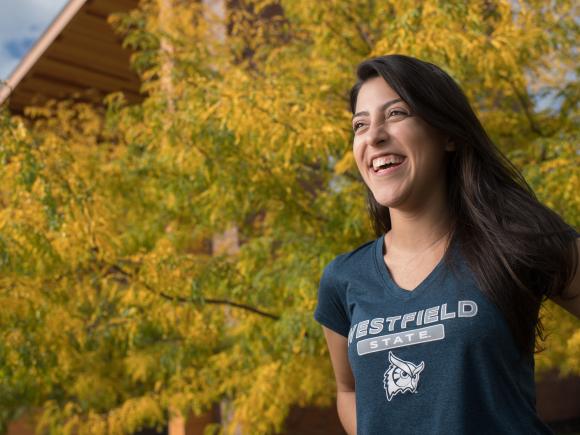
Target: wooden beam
(92,23)
(50,86)
(106,7)
(108,37)
(21,98)
(124,74)
(75,85)
(82,56)
(94,46)
(54,87)
(83,77)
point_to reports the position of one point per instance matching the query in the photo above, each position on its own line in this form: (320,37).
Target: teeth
(383,160)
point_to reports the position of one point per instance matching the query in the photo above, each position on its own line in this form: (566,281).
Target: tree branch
(524,101)
(183,300)
(363,35)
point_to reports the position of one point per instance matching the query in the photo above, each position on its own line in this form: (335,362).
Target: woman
(434,321)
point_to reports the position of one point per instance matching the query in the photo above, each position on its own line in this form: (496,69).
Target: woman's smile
(384,170)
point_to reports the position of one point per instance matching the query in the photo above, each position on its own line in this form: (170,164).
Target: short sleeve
(331,307)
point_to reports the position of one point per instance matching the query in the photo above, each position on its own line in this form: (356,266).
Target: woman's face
(384,127)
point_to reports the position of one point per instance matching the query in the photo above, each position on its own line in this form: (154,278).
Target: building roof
(78,51)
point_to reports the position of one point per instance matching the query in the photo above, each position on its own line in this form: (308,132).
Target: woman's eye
(397,111)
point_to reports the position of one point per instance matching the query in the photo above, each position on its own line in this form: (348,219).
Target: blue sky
(21,24)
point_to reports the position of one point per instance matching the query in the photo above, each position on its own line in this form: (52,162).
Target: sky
(21,24)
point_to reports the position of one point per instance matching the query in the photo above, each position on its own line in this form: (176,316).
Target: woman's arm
(345,387)
(572,305)
(346,406)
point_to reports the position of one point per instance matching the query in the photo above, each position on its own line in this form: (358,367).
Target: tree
(113,299)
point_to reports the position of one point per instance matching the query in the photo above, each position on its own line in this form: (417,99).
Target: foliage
(116,311)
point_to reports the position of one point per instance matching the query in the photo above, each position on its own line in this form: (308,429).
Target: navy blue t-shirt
(438,359)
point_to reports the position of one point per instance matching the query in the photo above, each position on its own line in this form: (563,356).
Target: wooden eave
(78,51)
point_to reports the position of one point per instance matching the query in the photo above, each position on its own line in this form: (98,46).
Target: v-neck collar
(392,286)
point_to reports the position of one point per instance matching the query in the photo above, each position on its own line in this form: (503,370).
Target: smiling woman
(413,143)
(456,225)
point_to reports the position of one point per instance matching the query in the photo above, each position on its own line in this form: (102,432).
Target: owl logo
(401,376)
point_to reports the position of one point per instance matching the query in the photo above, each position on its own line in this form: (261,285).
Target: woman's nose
(376,134)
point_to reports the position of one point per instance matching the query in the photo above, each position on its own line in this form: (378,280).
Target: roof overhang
(78,51)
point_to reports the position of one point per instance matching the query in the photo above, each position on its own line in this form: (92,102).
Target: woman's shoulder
(354,259)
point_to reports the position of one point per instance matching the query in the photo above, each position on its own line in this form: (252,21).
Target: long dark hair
(528,250)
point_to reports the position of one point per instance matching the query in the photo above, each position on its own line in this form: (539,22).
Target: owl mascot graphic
(401,376)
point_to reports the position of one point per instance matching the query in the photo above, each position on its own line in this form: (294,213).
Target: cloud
(21,23)
(18,47)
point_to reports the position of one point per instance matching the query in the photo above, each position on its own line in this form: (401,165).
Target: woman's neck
(414,231)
